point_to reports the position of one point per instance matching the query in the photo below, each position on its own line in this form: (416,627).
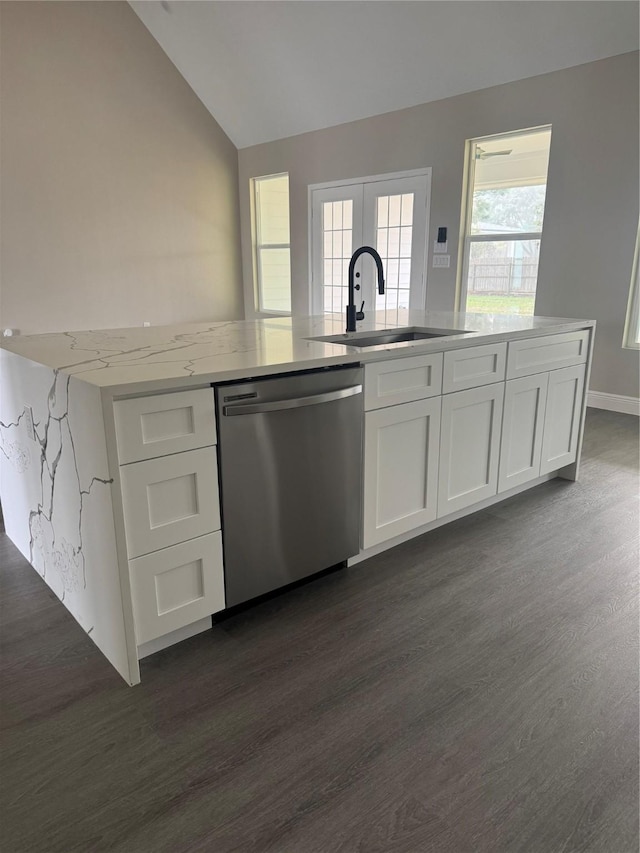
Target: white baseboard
(614,402)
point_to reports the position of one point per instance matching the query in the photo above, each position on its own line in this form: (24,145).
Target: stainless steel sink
(388,336)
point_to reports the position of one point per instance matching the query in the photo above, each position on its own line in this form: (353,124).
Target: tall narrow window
(272,248)
(507,182)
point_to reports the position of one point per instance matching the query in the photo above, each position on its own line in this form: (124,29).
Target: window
(502,225)
(271,241)
(389,213)
(632,325)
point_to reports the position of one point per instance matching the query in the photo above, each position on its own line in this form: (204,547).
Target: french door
(391,215)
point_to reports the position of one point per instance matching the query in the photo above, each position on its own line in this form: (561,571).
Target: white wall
(119,190)
(592,197)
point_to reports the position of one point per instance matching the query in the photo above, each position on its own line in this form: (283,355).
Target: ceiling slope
(267,70)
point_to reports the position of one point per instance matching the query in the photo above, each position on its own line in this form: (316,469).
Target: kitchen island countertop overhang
(140,359)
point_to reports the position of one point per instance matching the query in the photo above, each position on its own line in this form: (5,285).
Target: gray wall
(119,190)
(592,198)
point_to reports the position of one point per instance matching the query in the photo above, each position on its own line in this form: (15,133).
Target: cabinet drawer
(177,586)
(169,500)
(549,352)
(473,366)
(147,427)
(402,380)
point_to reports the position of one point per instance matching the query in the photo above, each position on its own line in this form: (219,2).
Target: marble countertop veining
(206,352)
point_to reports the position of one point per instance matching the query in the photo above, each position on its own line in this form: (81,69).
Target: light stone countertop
(137,359)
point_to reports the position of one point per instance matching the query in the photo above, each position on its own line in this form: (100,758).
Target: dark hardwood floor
(473,690)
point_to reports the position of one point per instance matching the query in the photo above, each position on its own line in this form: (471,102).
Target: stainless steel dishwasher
(290,453)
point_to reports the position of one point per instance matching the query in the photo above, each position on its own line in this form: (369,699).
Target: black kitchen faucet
(352,314)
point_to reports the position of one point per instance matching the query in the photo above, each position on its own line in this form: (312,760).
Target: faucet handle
(360,313)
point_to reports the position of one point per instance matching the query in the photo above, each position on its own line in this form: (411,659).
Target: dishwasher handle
(295,403)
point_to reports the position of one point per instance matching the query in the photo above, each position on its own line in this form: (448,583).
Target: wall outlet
(9,333)
(441,260)
(28,420)
(146,323)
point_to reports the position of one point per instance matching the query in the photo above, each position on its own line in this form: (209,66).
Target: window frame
(258,247)
(466,238)
(632,319)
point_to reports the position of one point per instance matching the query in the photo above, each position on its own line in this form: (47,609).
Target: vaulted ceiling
(266,70)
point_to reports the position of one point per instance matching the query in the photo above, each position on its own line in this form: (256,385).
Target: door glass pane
(337,225)
(502,276)
(394,235)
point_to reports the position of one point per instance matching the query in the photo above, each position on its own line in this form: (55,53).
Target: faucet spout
(352,315)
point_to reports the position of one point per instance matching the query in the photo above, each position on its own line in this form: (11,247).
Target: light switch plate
(441,260)
(440,248)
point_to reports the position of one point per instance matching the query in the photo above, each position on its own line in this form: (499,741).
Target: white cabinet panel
(402,380)
(160,424)
(522,427)
(562,418)
(170,499)
(469,447)
(549,352)
(176,586)
(400,469)
(473,366)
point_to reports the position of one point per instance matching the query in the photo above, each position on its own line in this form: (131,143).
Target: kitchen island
(109,449)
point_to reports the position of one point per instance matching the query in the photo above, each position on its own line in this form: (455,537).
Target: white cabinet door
(562,418)
(400,469)
(522,426)
(469,447)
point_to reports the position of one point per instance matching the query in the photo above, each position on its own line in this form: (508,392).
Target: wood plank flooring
(472,690)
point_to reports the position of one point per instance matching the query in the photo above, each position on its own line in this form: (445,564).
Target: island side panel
(56,496)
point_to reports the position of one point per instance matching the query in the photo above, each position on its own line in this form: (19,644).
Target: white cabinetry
(522,429)
(401,438)
(562,418)
(400,469)
(176,586)
(543,408)
(171,511)
(170,499)
(471,367)
(469,447)
(482,421)
(548,352)
(402,380)
(148,427)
